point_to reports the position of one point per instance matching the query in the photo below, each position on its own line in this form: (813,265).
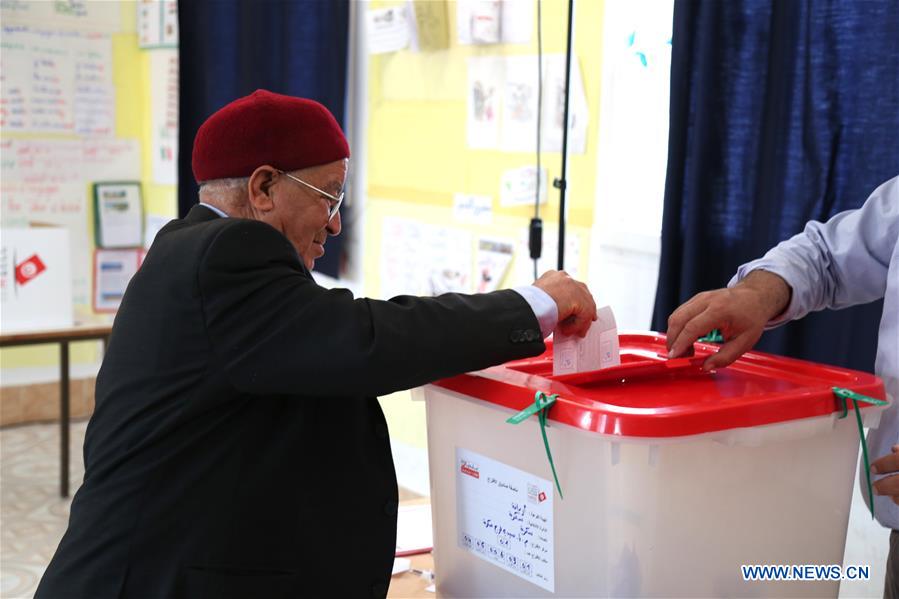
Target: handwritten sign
(56,82)
(506,517)
(24,205)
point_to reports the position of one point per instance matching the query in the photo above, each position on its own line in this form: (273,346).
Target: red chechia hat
(285,132)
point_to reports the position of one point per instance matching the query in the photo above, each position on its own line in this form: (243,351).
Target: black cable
(535,239)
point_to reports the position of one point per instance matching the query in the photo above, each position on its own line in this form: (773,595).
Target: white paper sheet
(485,89)
(516,21)
(554,107)
(505,517)
(518,186)
(114,269)
(518,125)
(164,115)
(599,349)
(120,215)
(413,529)
(388,29)
(157,24)
(400,565)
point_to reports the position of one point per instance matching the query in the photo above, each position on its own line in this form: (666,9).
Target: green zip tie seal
(714,336)
(844,395)
(541,405)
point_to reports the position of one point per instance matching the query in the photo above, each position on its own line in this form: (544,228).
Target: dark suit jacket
(236,449)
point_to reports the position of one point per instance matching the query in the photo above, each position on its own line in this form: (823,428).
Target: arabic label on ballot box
(505,517)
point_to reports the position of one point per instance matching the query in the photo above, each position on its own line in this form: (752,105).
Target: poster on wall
(424,259)
(484,93)
(113,270)
(119,214)
(56,82)
(519,119)
(502,94)
(35,279)
(493,259)
(518,186)
(157,24)
(494,21)
(387,29)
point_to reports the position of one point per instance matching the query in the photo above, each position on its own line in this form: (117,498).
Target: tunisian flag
(30,268)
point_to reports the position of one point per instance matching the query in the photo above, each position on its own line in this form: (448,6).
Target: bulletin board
(77,109)
(81,104)
(452,139)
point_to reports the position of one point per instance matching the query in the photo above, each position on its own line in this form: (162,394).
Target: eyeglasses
(334,202)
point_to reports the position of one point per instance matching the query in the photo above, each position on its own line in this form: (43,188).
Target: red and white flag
(30,268)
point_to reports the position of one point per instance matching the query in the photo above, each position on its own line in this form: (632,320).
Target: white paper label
(505,517)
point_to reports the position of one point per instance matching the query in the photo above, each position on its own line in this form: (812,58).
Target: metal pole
(64,418)
(562,183)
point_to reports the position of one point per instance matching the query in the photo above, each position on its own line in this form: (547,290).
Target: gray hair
(224,186)
(228,194)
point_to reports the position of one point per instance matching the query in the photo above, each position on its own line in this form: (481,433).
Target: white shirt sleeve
(543,305)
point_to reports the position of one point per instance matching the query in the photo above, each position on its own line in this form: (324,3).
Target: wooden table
(62,337)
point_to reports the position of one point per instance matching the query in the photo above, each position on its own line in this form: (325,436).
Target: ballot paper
(599,349)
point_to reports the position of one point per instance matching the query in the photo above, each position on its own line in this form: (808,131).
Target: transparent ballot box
(670,478)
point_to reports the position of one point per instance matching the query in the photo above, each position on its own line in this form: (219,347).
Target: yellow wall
(417,155)
(131,79)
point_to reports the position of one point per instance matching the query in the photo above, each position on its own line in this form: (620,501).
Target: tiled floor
(33,516)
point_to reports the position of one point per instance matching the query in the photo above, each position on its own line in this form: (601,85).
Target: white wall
(633,151)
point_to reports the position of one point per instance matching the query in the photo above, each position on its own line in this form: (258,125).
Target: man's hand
(740,313)
(576,306)
(888,485)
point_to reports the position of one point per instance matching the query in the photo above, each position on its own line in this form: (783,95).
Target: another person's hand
(577,310)
(739,313)
(888,485)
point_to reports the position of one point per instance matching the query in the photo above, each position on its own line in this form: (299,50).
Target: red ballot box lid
(649,395)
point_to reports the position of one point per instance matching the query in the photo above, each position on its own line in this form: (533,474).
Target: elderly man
(851,259)
(236,449)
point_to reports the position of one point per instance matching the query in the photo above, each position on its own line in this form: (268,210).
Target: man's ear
(259,188)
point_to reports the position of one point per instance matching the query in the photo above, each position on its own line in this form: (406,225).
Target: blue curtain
(782,111)
(230,48)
